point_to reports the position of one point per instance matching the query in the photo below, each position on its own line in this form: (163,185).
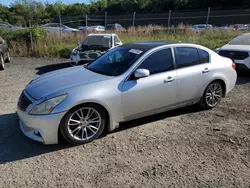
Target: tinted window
(204,56)
(186,56)
(159,61)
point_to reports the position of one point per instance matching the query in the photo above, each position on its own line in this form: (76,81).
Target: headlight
(47,106)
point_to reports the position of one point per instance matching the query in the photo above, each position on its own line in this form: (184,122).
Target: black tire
(7,60)
(64,130)
(2,66)
(205,101)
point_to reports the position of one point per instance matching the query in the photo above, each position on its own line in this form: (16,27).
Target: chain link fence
(168,19)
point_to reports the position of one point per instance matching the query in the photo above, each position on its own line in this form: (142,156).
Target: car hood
(236,47)
(62,80)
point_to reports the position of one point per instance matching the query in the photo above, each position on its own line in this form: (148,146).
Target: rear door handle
(206,70)
(169,79)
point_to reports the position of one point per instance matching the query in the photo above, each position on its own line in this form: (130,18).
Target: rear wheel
(83,124)
(212,95)
(1,62)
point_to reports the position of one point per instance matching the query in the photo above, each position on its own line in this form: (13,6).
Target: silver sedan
(128,82)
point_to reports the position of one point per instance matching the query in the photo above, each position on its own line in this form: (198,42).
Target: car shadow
(15,146)
(54,67)
(157,117)
(243,77)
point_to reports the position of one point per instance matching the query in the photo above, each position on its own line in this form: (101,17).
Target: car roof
(145,46)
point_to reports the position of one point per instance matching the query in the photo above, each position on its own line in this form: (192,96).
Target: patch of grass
(52,45)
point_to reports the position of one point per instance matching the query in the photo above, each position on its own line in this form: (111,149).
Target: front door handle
(169,79)
(206,70)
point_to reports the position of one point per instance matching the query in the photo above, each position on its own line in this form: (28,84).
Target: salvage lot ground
(182,148)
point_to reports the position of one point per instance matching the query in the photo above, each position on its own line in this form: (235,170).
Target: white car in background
(93,46)
(238,50)
(8,26)
(56,27)
(97,28)
(201,27)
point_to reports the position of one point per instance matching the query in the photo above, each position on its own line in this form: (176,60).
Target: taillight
(234,66)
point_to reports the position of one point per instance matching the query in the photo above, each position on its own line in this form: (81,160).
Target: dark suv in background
(4,53)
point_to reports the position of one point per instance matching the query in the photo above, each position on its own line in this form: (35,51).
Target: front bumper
(42,128)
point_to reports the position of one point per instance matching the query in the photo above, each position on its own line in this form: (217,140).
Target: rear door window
(186,56)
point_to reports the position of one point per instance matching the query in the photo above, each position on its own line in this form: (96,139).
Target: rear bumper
(42,128)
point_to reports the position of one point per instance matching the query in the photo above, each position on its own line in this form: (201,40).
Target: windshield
(241,40)
(116,61)
(98,41)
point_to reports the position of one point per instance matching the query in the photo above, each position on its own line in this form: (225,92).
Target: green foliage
(23,11)
(64,52)
(47,45)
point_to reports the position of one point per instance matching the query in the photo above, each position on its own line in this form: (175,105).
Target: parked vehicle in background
(81,28)
(4,53)
(8,26)
(201,27)
(244,28)
(97,28)
(115,27)
(222,28)
(93,46)
(240,26)
(56,27)
(238,50)
(128,82)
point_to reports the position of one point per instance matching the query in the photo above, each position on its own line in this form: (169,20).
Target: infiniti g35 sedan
(128,82)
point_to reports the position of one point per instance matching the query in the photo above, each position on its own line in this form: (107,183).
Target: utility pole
(208,14)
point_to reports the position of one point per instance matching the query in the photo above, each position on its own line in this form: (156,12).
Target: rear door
(194,72)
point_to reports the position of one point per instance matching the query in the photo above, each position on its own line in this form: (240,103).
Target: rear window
(98,40)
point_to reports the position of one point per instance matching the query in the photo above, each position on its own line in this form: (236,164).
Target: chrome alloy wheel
(84,123)
(214,94)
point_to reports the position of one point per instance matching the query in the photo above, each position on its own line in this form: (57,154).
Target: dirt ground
(182,148)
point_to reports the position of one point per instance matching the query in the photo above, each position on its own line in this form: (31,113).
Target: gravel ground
(182,148)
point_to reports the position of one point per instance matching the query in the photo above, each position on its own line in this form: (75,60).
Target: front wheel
(212,95)
(83,124)
(2,66)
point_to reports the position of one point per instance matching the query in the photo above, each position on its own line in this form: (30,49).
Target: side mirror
(141,73)
(117,44)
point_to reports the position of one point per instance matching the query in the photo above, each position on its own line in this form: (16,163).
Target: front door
(152,93)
